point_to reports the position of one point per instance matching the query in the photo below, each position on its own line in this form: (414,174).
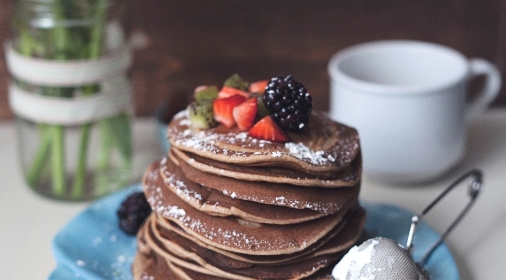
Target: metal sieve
(383,258)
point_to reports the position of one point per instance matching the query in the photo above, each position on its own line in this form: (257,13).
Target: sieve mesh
(379,259)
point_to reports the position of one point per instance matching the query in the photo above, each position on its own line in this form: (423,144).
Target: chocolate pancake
(146,264)
(245,237)
(349,176)
(167,270)
(323,200)
(156,265)
(322,274)
(323,147)
(238,235)
(339,239)
(182,258)
(191,260)
(188,274)
(164,179)
(230,206)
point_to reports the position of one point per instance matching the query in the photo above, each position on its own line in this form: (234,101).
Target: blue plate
(161,135)
(91,245)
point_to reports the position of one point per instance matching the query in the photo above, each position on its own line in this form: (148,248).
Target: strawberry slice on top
(227,91)
(223,107)
(267,129)
(245,113)
(258,87)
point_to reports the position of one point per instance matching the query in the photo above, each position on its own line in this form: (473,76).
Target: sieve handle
(475,186)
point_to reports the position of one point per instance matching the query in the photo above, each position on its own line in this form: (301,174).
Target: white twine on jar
(45,72)
(115,97)
(109,71)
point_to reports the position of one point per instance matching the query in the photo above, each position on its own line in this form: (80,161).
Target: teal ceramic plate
(91,245)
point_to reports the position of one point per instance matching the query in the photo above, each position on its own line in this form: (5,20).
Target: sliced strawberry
(227,91)
(222,109)
(258,86)
(267,129)
(245,113)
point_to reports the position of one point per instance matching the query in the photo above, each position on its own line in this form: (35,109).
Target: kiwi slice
(206,93)
(262,110)
(201,114)
(237,82)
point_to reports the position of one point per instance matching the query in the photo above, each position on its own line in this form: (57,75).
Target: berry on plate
(132,212)
(267,129)
(245,113)
(227,91)
(288,102)
(223,107)
(258,87)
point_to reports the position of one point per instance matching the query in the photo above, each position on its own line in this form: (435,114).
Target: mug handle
(490,89)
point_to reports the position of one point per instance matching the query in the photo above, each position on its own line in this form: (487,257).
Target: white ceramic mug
(408,101)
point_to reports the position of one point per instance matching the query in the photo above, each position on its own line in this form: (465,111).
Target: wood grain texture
(5,8)
(197,42)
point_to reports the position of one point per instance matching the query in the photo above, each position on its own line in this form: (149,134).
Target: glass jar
(71,96)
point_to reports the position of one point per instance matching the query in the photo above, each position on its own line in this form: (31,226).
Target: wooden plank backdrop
(195,42)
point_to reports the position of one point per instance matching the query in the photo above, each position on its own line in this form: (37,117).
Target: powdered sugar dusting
(205,141)
(172,211)
(183,116)
(229,144)
(235,238)
(339,151)
(377,258)
(155,197)
(145,276)
(153,193)
(321,207)
(351,265)
(180,187)
(303,152)
(276,154)
(226,236)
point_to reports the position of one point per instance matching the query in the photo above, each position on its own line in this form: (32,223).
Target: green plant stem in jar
(63,30)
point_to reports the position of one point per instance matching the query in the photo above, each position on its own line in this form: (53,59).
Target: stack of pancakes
(228,206)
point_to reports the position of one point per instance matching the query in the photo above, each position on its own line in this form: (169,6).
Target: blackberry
(132,212)
(288,102)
